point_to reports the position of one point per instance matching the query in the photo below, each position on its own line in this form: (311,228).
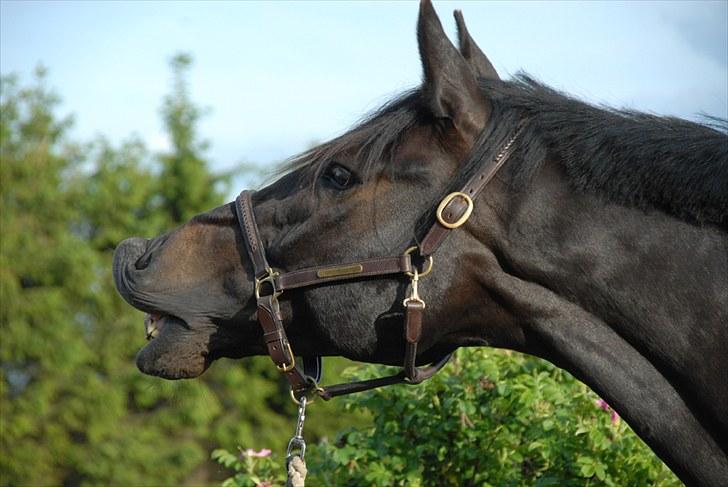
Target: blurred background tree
(50,396)
(75,410)
(188,186)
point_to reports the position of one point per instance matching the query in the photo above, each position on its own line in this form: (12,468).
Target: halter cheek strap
(452,212)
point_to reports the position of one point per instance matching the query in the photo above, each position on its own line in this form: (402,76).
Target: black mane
(628,157)
(637,159)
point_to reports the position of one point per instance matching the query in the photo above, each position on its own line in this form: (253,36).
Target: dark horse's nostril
(151,246)
(131,250)
(143,261)
(128,251)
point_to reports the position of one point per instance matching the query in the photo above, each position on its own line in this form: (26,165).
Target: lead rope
(296,451)
(296,473)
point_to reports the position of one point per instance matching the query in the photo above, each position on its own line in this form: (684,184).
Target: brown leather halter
(452,213)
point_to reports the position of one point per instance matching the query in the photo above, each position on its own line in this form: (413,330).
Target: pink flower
(265,452)
(615,418)
(602,404)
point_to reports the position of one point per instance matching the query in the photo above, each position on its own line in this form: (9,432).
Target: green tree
(74,409)
(187,185)
(46,277)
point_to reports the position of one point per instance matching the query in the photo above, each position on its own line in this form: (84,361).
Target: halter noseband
(452,212)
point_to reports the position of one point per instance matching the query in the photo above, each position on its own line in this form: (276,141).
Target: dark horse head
(601,245)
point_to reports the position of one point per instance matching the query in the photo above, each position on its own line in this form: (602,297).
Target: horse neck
(652,278)
(629,302)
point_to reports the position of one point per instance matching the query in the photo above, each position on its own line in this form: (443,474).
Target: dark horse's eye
(338,177)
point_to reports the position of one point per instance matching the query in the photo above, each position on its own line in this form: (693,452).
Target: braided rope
(296,472)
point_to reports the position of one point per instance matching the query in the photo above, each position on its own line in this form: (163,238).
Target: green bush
(251,467)
(491,418)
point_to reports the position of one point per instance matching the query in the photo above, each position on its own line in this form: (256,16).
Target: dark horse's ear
(478,61)
(449,85)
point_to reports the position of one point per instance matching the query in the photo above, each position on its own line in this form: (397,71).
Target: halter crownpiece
(452,212)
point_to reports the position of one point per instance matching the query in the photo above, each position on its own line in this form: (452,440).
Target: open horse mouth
(153,324)
(176,349)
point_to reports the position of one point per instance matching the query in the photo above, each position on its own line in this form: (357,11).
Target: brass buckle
(270,278)
(446,201)
(287,367)
(428,265)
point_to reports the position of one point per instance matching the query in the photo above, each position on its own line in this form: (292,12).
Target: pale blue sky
(278,75)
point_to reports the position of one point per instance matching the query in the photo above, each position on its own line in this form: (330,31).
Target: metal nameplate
(340,271)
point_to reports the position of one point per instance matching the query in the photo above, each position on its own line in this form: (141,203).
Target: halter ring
(428,263)
(314,391)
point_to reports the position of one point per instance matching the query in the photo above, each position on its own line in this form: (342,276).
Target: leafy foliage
(250,470)
(45,282)
(492,418)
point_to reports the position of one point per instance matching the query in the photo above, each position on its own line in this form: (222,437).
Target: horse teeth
(152,332)
(150,326)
